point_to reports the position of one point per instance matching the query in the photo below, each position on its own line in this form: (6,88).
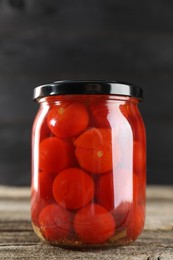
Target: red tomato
(100,113)
(54,155)
(121,213)
(42,196)
(73,188)
(93,138)
(115,189)
(95,161)
(68,121)
(135,221)
(72,157)
(55,222)
(94,224)
(45,182)
(139,188)
(94,150)
(136,123)
(36,206)
(45,131)
(139,157)
(130,217)
(136,188)
(125,109)
(105,114)
(105,191)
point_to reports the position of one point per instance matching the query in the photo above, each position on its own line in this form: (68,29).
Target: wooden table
(18,241)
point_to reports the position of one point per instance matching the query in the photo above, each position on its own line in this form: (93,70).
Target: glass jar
(88,164)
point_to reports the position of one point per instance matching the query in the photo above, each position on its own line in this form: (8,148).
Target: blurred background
(46,40)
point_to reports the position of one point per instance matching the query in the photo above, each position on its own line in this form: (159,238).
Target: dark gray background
(46,40)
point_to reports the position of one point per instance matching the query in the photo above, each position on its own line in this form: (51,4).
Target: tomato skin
(71,154)
(135,221)
(139,221)
(73,188)
(105,191)
(93,138)
(54,155)
(137,124)
(114,188)
(121,213)
(45,182)
(67,121)
(95,161)
(42,196)
(94,224)
(105,114)
(100,113)
(139,189)
(36,206)
(125,109)
(45,131)
(55,222)
(130,217)
(139,157)
(94,150)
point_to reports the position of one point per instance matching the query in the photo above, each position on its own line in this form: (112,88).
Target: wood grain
(18,241)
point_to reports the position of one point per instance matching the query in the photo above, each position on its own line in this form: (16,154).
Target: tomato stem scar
(100,154)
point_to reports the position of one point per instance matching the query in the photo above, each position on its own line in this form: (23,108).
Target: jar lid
(100,87)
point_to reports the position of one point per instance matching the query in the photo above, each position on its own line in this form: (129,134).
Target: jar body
(88,170)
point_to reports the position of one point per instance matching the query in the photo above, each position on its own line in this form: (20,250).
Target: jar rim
(88,87)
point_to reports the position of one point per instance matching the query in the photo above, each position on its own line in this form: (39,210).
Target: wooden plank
(158,214)
(151,245)
(156,192)
(158,217)
(18,241)
(16,224)
(14,193)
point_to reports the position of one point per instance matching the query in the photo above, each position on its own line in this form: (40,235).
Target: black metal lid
(100,87)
